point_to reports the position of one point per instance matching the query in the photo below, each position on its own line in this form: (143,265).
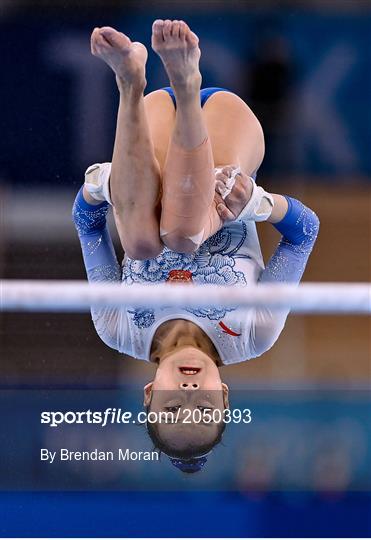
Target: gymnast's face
(186,368)
(187,384)
(185,377)
(190,426)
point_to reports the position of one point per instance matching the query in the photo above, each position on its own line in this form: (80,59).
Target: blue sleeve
(100,261)
(97,249)
(299,229)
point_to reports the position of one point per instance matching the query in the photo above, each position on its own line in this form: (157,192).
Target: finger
(238,191)
(221,177)
(224,189)
(217,199)
(236,202)
(220,187)
(245,177)
(244,185)
(224,213)
(228,169)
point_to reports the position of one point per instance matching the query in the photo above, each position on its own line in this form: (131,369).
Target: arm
(100,260)
(299,228)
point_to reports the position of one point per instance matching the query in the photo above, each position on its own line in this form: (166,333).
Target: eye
(202,408)
(173,408)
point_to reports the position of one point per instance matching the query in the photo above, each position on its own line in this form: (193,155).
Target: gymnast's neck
(179,333)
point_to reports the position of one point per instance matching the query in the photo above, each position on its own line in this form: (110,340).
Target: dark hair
(189,465)
(190,459)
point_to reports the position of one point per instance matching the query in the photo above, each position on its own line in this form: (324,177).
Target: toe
(94,35)
(93,40)
(182,29)
(102,41)
(98,42)
(157,28)
(192,38)
(166,30)
(108,32)
(175,27)
(114,38)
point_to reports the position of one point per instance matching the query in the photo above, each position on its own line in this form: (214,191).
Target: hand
(230,207)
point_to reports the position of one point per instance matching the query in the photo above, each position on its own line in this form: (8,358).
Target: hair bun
(189,465)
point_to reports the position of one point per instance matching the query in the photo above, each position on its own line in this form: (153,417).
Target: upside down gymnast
(184,198)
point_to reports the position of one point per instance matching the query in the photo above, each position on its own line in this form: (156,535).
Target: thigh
(235,133)
(160,112)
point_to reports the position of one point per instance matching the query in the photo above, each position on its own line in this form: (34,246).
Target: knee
(140,238)
(179,243)
(142,250)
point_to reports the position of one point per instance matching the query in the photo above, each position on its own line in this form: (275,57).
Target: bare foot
(177,46)
(125,57)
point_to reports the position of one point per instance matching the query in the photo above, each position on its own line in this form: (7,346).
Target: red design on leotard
(180,275)
(228,330)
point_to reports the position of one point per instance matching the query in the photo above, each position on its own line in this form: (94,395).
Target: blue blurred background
(303,469)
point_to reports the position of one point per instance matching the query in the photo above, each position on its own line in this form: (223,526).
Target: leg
(188,216)
(161,117)
(224,112)
(235,133)
(135,175)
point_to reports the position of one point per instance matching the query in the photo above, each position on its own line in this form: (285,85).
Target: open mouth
(186,370)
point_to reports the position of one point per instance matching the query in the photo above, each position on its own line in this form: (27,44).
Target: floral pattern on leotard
(212,263)
(143,318)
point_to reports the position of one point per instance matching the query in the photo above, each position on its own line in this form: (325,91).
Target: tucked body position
(182,188)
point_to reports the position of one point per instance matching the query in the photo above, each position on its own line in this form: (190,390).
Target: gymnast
(185,201)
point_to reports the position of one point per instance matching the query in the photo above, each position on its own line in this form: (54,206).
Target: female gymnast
(185,202)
